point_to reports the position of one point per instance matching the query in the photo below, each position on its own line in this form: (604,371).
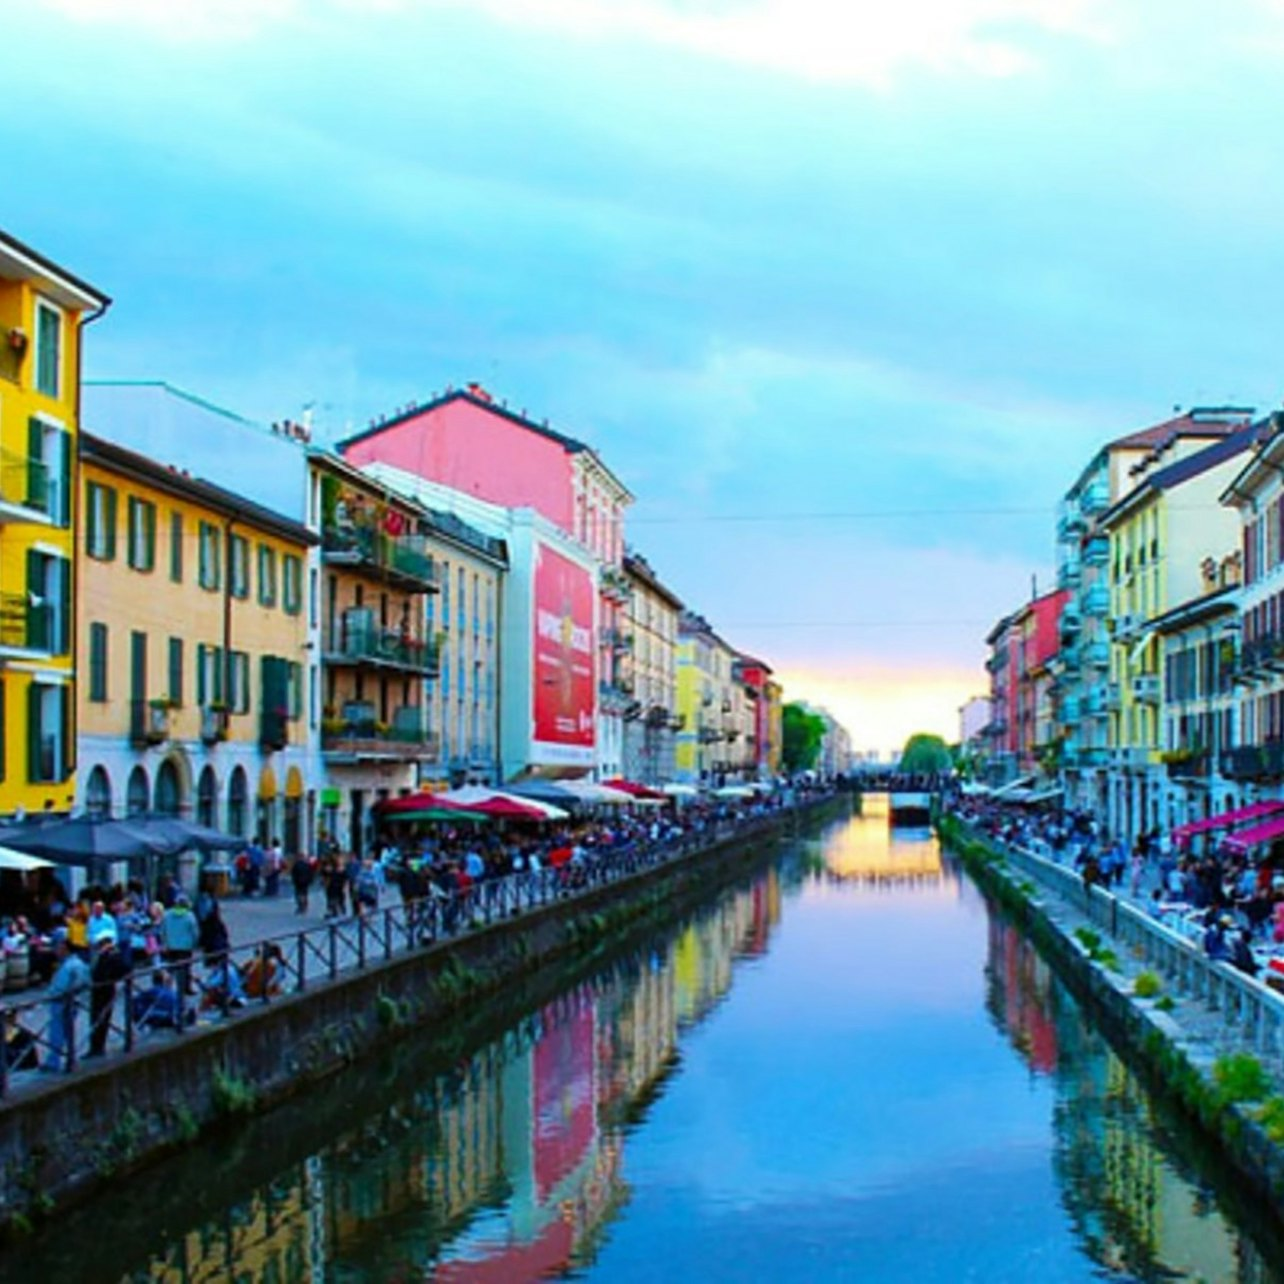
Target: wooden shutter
(176,670)
(33,733)
(37,472)
(63,516)
(176,547)
(62,644)
(38,606)
(98,662)
(202,694)
(110,548)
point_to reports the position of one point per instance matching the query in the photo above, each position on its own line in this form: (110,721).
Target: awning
(1240,816)
(1021,782)
(635,789)
(1263,833)
(10,859)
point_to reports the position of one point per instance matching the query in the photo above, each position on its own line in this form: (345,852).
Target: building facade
(469,444)
(1084,696)
(1161,535)
(43,311)
(193,647)
(652,720)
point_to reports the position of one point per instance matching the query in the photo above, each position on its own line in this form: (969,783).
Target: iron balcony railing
(360,643)
(26,625)
(28,488)
(403,555)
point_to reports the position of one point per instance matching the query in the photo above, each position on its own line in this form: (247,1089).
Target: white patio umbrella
(11,859)
(588,791)
(675,790)
(467,795)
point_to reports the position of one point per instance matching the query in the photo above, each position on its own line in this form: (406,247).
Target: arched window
(168,790)
(206,797)
(98,793)
(237,794)
(137,794)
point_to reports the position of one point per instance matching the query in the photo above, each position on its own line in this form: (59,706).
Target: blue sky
(885,278)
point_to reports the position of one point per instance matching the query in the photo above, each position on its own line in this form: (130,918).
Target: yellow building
(774,696)
(191,646)
(652,720)
(710,704)
(42,312)
(1161,533)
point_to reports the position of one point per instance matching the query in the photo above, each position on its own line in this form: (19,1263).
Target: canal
(849,1068)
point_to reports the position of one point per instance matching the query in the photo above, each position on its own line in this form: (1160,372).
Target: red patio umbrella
(636,790)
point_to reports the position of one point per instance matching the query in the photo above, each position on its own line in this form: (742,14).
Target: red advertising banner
(565,600)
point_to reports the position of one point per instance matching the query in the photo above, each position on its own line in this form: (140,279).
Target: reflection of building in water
(1019,985)
(268,1237)
(1134,1210)
(867,852)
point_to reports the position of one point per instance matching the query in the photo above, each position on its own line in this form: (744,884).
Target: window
(48,605)
(176,547)
(238,696)
(47,758)
(48,469)
(100,522)
(209,674)
(176,671)
(142,534)
(238,566)
(48,349)
(291,584)
(98,663)
(267,575)
(210,571)
(294,689)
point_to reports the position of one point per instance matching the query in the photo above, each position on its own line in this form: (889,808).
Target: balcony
(1070,620)
(399,560)
(1254,762)
(615,697)
(1097,654)
(358,736)
(1095,498)
(214,723)
(1069,523)
(26,625)
(148,722)
(1096,601)
(1147,688)
(1187,764)
(1068,575)
(28,492)
(1096,552)
(1070,710)
(619,641)
(615,585)
(1071,657)
(361,642)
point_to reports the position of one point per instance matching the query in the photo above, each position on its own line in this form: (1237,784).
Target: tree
(925,753)
(801,734)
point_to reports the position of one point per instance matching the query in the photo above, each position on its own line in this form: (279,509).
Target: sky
(847,293)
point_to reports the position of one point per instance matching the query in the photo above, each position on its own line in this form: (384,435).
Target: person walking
(70,979)
(180,934)
(301,874)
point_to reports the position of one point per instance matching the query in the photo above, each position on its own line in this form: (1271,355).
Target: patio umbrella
(180,835)
(680,791)
(436,813)
(10,859)
(425,800)
(497,803)
(636,790)
(587,791)
(545,791)
(85,840)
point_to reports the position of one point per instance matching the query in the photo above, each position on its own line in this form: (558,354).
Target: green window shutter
(176,547)
(92,533)
(110,548)
(63,641)
(66,720)
(149,536)
(176,670)
(39,607)
(64,480)
(37,471)
(33,733)
(220,674)
(98,662)
(202,652)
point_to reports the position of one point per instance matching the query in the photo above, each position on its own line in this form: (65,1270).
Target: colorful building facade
(192,647)
(43,311)
(652,720)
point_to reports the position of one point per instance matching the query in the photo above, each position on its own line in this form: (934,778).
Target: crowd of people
(1234,903)
(177,948)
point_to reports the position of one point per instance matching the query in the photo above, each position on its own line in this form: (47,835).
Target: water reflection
(1136,1201)
(617,1132)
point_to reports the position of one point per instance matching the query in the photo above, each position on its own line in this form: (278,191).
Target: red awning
(636,789)
(1247,838)
(422,801)
(1240,816)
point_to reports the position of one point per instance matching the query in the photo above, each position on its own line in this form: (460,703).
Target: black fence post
(301,957)
(334,950)
(129,1012)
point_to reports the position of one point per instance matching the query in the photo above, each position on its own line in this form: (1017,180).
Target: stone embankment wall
(59,1144)
(1168,1044)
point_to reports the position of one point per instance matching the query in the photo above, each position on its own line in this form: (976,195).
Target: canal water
(850,1068)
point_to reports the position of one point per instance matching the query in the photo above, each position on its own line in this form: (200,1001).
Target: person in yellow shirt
(78,929)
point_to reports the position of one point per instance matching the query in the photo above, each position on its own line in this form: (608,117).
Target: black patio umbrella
(85,840)
(180,835)
(545,791)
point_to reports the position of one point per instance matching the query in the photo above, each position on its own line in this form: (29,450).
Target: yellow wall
(125,599)
(19,402)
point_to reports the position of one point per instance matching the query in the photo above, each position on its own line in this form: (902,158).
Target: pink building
(469,442)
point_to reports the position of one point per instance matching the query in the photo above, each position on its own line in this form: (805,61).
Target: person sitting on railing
(222,987)
(262,974)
